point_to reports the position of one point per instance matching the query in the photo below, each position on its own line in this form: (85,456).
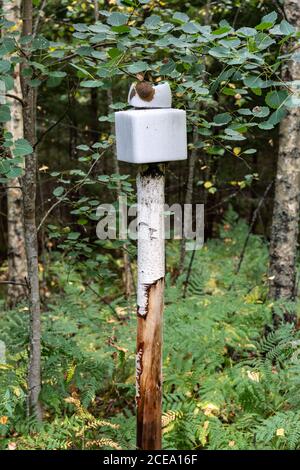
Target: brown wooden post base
(149,377)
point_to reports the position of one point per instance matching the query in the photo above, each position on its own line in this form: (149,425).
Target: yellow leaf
(237,150)
(254,376)
(70,373)
(208,184)
(203,434)
(280,432)
(209,409)
(3,420)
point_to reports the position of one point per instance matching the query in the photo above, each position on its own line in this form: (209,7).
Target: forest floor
(230,381)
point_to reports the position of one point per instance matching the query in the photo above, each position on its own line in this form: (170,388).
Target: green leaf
(152,22)
(254,81)
(270,18)
(190,28)
(265,125)
(263,41)
(276,98)
(119,105)
(120,29)
(83,147)
(14,172)
(261,111)
(277,116)
(233,135)
(117,19)
(73,235)
(263,26)
(248,32)
(267,21)
(138,66)
(22,148)
(58,191)
(114,52)
(221,119)
(181,17)
(4,113)
(245,112)
(57,74)
(223,31)
(220,52)
(39,43)
(286,28)
(4,66)
(168,68)
(92,83)
(81,27)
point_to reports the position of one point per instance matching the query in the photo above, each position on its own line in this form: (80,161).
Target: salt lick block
(151,135)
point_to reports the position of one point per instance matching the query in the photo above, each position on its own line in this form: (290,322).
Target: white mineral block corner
(151,135)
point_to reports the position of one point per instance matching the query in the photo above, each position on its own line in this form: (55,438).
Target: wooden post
(150,302)
(150,137)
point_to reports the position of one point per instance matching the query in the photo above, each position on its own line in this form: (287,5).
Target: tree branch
(14,97)
(15,283)
(37,21)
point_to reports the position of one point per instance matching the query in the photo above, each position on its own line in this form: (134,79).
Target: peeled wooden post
(150,137)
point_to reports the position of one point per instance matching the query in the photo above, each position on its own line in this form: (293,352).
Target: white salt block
(151,135)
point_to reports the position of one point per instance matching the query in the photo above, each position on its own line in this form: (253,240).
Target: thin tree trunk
(128,282)
(192,161)
(30,228)
(284,234)
(17,268)
(188,196)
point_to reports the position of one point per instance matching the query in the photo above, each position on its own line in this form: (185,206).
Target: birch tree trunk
(17,268)
(30,228)
(284,235)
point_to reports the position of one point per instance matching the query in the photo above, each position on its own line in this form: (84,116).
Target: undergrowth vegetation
(230,380)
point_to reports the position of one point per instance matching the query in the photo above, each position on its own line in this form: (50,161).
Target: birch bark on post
(150,303)
(284,236)
(17,268)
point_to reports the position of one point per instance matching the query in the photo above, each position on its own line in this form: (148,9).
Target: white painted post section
(150,222)
(150,137)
